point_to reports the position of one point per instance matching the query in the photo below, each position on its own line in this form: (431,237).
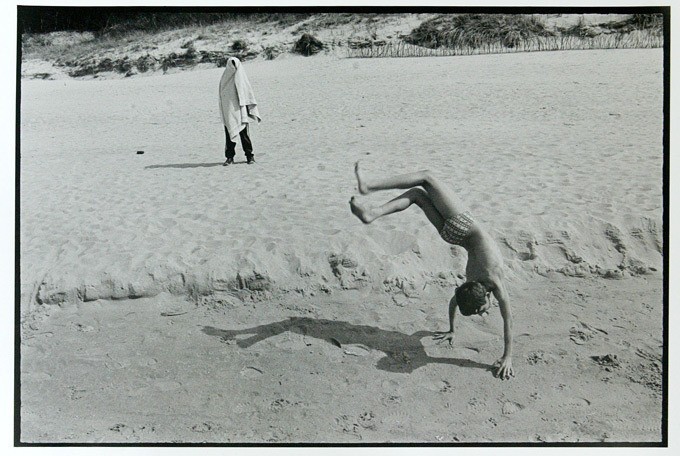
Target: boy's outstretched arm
(504,365)
(442,336)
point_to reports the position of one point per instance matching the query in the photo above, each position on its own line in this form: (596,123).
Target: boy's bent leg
(441,196)
(417,196)
(402,181)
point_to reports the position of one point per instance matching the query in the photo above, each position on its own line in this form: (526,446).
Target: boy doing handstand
(456,226)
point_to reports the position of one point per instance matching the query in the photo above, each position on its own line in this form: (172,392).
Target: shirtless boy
(456,226)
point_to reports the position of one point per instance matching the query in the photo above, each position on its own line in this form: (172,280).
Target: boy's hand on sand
(444,336)
(504,369)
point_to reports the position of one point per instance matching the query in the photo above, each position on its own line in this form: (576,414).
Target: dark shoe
(228,162)
(251,160)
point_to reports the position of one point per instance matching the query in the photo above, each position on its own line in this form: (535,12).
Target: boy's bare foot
(362,212)
(363,187)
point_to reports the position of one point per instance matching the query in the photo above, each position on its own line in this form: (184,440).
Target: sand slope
(559,153)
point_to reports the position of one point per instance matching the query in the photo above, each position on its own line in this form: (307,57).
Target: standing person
(238,108)
(456,226)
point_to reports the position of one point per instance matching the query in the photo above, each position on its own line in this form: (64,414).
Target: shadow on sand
(404,353)
(194,165)
(184,165)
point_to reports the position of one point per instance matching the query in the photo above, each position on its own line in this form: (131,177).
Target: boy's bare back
(485,262)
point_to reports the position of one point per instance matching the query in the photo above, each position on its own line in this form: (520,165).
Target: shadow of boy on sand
(404,353)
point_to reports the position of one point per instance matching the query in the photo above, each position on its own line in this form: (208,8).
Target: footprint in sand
(391,399)
(280,404)
(445,387)
(580,335)
(134,433)
(510,407)
(397,419)
(476,404)
(122,429)
(584,332)
(251,372)
(348,426)
(75,393)
(540,357)
(577,402)
(648,374)
(207,426)
(82,328)
(367,420)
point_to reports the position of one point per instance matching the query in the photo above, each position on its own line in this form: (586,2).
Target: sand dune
(566,171)
(559,154)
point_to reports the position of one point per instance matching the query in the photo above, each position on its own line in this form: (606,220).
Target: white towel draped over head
(237,101)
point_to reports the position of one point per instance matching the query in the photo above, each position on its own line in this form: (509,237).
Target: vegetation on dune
(331,20)
(476,30)
(308,45)
(511,30)
(123,41)
(652,23)
(464,34)
(642,22)
(132,45)
(120,21)
(156,22)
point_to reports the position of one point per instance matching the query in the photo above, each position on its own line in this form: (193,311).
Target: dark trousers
(230,148)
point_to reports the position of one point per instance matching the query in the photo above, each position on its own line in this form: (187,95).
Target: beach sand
(559,154)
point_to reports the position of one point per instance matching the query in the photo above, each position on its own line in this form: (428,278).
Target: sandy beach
(166,298)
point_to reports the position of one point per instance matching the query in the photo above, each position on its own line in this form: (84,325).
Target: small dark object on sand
(140,152)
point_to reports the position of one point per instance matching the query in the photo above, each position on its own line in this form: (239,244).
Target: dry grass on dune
(183,41)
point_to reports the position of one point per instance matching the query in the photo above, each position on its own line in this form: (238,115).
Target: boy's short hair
(470,297)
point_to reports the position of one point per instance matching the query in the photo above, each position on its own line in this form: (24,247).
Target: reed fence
(398,48)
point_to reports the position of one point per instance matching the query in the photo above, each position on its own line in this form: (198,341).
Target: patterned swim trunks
(457,228)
